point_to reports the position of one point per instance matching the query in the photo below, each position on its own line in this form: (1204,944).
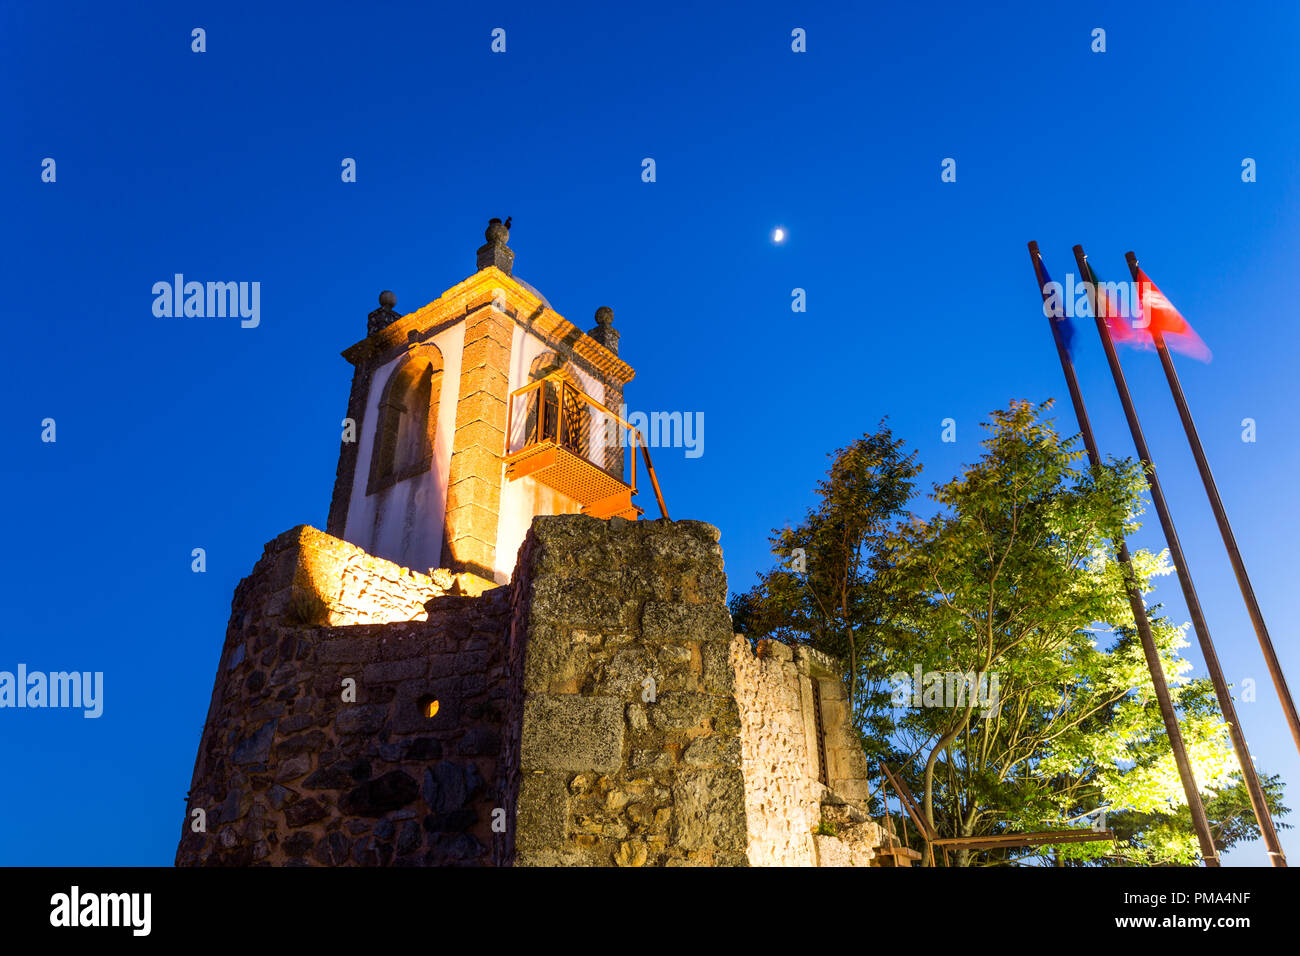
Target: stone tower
(563,687)
(471,416)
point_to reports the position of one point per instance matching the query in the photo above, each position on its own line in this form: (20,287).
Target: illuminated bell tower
(474,414)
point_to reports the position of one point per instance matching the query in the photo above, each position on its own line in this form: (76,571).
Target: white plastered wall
(404,522)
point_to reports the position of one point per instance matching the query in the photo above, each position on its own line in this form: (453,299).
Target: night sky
(180,433)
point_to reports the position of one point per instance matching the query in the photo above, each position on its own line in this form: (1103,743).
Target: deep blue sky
(183,433)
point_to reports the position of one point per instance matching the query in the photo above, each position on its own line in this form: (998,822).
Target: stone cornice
(476,293)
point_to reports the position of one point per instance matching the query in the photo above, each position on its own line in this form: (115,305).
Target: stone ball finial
(497,232)
(385,315)
(604,332)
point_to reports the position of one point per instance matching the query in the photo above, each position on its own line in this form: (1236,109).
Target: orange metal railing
(554,412)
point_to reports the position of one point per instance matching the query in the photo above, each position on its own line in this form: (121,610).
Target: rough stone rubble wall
(601,700)
(782,802)
(315,578)
(607,775)
(785,800)
(290,773)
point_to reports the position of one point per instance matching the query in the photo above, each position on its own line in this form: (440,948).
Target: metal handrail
(567,384)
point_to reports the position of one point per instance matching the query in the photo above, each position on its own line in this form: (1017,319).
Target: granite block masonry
(628,745)
(596,711)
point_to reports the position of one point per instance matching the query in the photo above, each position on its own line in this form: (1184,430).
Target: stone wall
(627,745)
(785,800)
(846,765)
(295,770)
(601,702)
(781,802)
(307,577)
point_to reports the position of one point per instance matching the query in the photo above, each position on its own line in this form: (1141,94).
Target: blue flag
(1056,308)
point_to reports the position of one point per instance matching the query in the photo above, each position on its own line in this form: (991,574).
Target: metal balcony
(566,441)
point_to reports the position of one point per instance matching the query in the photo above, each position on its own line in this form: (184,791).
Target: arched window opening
(577,423)
(408,418)
(412,443)
(544,405)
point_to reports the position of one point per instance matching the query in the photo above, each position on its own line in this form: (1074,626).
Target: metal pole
(1225,529)
(1209,854)
(1221,692)
(654,481)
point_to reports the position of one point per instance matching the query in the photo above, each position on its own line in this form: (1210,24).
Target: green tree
(1007,581)
(1162,834)
(1012,587)
(825,592)
(1017,577)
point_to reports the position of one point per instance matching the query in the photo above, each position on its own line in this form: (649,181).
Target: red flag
(1118,322)
(1123,323)
(1157,314)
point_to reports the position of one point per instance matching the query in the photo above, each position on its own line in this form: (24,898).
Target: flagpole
(1225,529)
(1209,854)
(1249,775)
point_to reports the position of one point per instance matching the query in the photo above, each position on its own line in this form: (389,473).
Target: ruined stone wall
(846,764)
(785,800)
(614,769)
(782,803)
(308,577)
(601,701)
(290,772)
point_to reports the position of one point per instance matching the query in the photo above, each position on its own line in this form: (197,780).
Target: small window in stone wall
(820,725)
(408,418)
(429,706)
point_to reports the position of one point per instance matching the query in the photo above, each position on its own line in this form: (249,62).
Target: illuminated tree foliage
(1014,579)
